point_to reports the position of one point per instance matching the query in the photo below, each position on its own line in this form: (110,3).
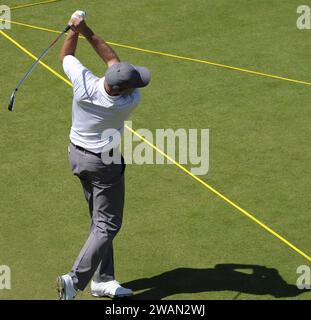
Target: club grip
(67,28)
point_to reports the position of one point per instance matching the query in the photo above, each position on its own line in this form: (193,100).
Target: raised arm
(70,45)
(78,25)
(100,46)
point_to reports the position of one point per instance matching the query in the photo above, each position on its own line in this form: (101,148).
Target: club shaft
(40,57)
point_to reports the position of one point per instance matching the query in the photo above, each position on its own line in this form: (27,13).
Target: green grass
(175,232)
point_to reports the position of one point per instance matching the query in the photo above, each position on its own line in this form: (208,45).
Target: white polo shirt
(93,110)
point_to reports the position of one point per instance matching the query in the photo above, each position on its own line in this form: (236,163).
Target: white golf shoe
(65,288)
(111,289)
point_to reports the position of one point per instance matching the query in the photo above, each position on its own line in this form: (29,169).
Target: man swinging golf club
(98,104)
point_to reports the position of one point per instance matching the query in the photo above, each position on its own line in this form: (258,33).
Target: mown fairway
(178,240)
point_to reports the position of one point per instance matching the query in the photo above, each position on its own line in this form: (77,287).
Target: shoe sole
(61,287)
(111,296)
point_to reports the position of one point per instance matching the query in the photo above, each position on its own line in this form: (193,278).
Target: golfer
(100,107)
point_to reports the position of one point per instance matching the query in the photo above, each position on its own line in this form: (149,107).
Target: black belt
(87,151)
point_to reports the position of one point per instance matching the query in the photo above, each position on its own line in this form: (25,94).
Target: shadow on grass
(241,278)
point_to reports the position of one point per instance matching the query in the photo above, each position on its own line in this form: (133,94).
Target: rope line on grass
(178,57)
(32,4)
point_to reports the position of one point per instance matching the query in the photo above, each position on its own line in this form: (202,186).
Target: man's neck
(109,90)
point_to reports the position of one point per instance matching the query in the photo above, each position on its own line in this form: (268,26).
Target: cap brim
(144,77)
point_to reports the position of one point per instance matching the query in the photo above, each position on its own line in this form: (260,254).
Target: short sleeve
(73,68)
(82,78)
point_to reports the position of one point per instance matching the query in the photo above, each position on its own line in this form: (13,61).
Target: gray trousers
(103,187)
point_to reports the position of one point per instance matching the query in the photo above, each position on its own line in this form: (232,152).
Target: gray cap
(124,75)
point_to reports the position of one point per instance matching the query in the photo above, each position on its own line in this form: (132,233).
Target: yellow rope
(177,56)
(32,4)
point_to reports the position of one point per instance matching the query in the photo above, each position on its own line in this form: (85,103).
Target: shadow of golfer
(252,279)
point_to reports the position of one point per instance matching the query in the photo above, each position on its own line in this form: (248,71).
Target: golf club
(11,104)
